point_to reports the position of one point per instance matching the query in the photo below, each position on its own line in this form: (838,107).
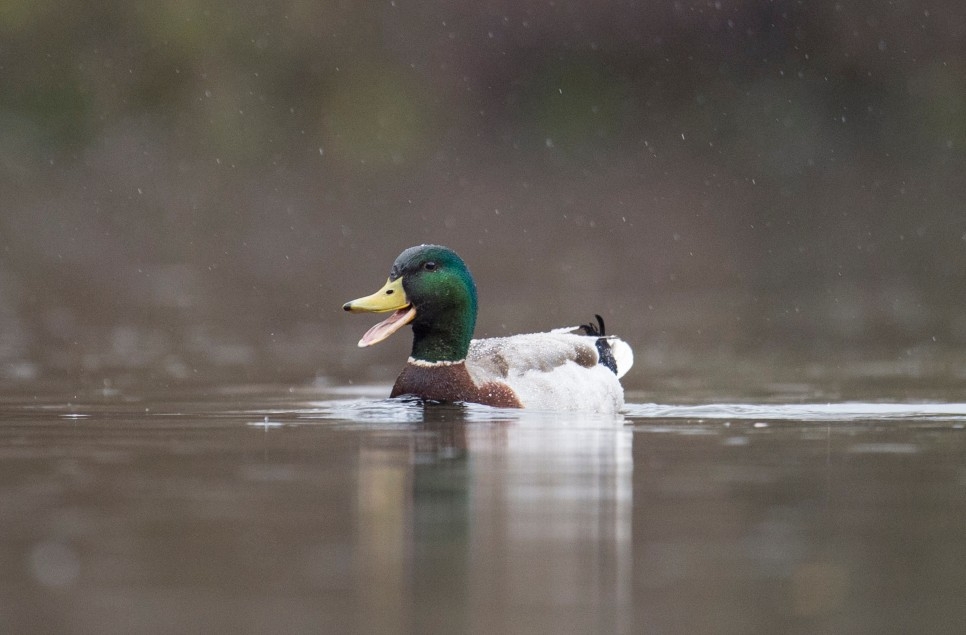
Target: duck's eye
(430,266)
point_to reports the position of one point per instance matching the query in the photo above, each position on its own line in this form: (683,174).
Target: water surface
(271,509)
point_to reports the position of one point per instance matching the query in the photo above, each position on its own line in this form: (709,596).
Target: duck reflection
(471,525)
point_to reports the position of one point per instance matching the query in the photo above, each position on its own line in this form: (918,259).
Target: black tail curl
(604,353)
(591,329)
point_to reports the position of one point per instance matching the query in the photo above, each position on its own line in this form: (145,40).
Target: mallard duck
(430,287)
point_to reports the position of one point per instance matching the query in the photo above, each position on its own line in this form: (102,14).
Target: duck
(430,287)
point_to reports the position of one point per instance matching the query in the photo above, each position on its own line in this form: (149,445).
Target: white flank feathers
(552,371)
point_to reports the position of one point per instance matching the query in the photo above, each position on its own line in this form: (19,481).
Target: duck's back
(553,371)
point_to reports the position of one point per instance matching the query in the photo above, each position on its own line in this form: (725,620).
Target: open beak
(391,297)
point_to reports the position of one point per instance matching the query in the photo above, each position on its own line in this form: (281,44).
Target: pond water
(271,509)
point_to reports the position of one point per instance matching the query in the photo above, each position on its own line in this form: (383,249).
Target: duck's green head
(430,287)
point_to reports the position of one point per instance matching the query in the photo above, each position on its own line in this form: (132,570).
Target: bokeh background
(191,189)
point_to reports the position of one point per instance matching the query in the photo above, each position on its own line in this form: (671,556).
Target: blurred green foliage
(374,78)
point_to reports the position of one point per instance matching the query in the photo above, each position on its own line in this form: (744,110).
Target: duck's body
(430,287)
(546,371)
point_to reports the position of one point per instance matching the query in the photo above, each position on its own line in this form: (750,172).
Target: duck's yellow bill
(391,297)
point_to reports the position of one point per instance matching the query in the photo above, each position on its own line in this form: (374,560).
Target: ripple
(851,411)
(405,411)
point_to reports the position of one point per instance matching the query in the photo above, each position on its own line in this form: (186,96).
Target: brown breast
(451,382)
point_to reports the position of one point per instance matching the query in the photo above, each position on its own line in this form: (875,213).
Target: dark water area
(275,508)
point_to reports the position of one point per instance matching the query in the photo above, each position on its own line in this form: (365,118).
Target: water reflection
(384,503)
(491,513)
(253,512)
